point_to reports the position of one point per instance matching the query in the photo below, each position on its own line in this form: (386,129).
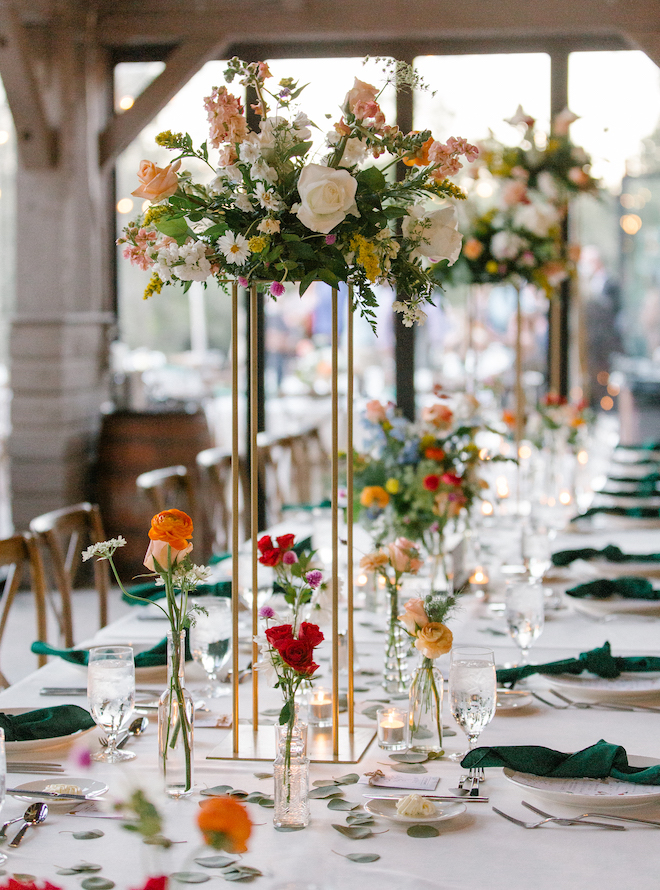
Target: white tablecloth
(476,850)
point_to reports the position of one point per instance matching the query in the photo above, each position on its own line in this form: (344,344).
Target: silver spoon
(34,814)
(136,728)
(3,830)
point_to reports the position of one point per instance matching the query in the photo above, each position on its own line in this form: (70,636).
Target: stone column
(63,319)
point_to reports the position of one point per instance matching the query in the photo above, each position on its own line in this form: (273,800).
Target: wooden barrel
(131,443)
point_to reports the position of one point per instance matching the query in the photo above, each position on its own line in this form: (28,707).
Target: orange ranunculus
(170,528)
(472,249)
(434,453)
(374,496)
(157,183)
(225,824)
(421,157)
(434,640)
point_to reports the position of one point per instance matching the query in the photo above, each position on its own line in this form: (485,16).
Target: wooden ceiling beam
(36,139)
(181,64)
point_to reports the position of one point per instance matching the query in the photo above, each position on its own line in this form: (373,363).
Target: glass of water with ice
(472,691)
(210,641)
(111,695)
(525,614)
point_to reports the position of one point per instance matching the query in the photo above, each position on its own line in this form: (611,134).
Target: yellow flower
(153,214)
(366,256)
(155,286)
(426,441)
(491,267)
(257,244)
(374,496)
(392,486)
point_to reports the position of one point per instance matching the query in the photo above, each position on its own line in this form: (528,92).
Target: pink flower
(330,239)
(404,556)
(414,616)
(289,558)
(225,115)
(375,411)
(266,612)
(276,289)
(157,550)
(361,93)
(439,415)
(514,192)
(243,281)
(314,578)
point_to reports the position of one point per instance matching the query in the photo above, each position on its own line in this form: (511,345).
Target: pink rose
(439,415)
(157,183)
(361,92)
(158,550)
(404,556)
(375,411)
(414,617)
(514,192)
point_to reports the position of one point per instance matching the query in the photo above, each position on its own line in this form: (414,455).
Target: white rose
(547,185)
(437,233)
(536,218)
(326,196)
(506,245)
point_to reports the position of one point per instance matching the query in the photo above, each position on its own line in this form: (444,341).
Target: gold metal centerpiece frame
(252,740)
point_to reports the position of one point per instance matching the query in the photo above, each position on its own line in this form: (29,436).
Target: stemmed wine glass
(111,695)
(210,641)
(472,691)
(536,553)
(525,614)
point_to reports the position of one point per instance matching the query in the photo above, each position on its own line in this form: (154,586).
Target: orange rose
(225,824)
(374,496)
(157,183)
(373,561)
(434,639)
(171,528)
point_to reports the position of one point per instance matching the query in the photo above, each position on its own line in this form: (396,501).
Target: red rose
(298,655)
(451,479)
(264,544)
(270,557)
(285,542)
(310,633)
(276,635)
(431,482)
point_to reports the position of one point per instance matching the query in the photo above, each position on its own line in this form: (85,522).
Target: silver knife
(466,799)
(47,795)
(82,690)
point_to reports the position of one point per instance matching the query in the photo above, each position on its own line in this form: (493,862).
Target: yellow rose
(157,183)
(434,639)
(392,486)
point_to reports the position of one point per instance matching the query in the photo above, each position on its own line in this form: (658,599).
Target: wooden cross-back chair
(16,553)
(293,468)
(174,488)
(63,535)
(214,468)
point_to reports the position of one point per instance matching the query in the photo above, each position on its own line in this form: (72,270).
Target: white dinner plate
(28,746)
(614,605)
(387,809)
(603,568)
(511,699)
(588,686)
(89,787)
(155,674)
(605,793)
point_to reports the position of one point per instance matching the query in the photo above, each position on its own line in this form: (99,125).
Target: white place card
(399,780)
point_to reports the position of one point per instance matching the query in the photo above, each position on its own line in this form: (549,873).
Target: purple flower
(277,288)
(330,239)
(289,558)
(266,612)
(243,281)
(314,578)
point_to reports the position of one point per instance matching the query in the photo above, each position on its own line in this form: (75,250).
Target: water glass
(525,614)
(536,553)
(210,641)
(472,691)
(111,695)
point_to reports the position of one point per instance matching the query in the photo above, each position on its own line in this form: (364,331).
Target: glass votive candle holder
(392,729)
(320,706)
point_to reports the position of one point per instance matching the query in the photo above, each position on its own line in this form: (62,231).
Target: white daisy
(269,200)
(234,247)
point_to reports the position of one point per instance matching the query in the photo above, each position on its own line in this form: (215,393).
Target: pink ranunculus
(404,556)
(375,411)
(158,550)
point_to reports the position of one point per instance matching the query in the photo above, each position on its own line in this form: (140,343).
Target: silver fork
(478,775)
(602,706)
(557,821)
(596,815)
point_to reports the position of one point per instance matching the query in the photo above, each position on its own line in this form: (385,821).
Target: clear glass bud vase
(175,723)
(396,676)
(425,709)
(291,775)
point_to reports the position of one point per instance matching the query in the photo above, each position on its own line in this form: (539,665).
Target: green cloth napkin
(644,491)
(611,553)
(646,446)
(149,592)
(628,586)
(598,661)
(649,479)
(45,723)
(633,512)
(154,657)
(595,762)
(323,505)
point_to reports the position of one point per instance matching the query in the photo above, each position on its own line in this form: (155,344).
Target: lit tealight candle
(565,498)
(479,576)
(320,707)
(486,508)
(583,457)
(361,580)
(392,723)
(502,487)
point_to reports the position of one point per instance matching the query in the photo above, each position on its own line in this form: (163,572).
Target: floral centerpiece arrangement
(423,620)
(557,415)
(273,212)
(391,562)
(168,558)
(415,478)
(295,577)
